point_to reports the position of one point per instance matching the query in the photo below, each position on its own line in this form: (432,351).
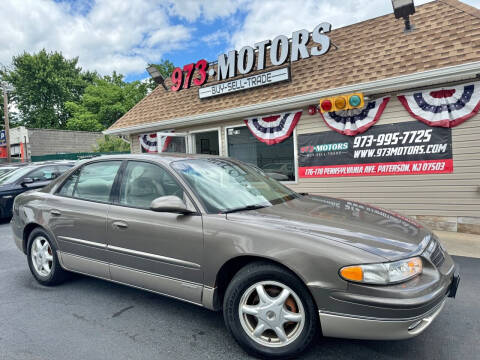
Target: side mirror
(172,204)
(26,181)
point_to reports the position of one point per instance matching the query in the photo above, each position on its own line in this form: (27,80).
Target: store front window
(206,142)
(277,160)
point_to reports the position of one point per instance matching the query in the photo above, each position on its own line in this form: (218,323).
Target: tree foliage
(166,69)
(44,82)
(52,91)
(103,102)
(111,144)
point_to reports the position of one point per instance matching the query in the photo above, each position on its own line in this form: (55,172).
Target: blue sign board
(3,140)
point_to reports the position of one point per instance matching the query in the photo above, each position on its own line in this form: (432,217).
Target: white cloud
(208,10)
(216,38)
(269,18)
(113,35)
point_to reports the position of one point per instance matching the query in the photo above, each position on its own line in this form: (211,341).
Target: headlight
(384,273)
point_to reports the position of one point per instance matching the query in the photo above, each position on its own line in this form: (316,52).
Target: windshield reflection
(224,185)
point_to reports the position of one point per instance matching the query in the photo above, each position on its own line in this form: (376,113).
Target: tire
(244,312)
(41,250)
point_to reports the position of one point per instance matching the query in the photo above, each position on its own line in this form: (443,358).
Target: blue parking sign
(3,141)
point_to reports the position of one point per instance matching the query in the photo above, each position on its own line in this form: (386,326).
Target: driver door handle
(121,225)
(55,212)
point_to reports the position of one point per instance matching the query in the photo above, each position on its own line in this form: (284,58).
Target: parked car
(220,234)
(4,170)
(26,178)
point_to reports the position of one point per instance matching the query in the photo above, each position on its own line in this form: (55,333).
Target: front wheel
(270,312)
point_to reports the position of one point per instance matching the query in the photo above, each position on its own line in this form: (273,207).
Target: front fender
(313,259)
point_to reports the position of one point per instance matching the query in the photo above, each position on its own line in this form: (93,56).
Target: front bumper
(377,328)
(345,326)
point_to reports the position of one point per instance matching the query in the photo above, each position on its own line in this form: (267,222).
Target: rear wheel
(270,312)
(43,260)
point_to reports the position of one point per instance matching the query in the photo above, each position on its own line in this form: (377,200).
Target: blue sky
(125,36)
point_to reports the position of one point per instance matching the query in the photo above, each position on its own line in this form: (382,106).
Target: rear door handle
(120,225)
(55,212)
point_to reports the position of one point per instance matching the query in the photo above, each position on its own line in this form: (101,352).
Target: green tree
(43,83)
(104,102)
(111,144)
(165,67)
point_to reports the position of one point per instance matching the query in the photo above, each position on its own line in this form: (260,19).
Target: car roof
(165,158)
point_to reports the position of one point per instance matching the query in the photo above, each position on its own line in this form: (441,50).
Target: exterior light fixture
(156,76)
(403,9)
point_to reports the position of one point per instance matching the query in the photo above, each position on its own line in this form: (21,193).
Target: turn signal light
(342,102)
(353,273)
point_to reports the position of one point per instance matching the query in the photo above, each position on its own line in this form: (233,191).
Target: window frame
(295,151)
(193,133)
(118,182)
(79,169)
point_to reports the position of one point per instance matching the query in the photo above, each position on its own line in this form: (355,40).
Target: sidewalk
(460,244)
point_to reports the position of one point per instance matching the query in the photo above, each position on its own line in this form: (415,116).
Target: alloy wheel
(271,314)
(42,256)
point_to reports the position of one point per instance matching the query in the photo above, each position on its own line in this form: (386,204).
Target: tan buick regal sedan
(221,234)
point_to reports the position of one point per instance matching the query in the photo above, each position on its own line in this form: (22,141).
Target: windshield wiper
(243,208)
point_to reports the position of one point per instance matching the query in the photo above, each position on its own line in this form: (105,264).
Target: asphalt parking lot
(87,318)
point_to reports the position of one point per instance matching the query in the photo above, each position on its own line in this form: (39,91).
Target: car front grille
(437,256)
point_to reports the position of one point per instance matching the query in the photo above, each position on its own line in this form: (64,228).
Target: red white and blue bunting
(446,107)
(153,143)
(356,121)
(148,142)
(273,129)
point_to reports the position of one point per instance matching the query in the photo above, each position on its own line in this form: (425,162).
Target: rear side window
(92,181)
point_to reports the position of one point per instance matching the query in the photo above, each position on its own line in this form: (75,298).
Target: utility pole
(5,89)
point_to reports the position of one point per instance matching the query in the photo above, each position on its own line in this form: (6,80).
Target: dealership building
(371,112)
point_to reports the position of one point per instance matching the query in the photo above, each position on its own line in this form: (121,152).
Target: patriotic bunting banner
(148,142)
(356,121)
(273,129)
(446,107)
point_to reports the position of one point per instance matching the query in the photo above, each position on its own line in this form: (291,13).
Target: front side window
(45,173)
(225,185)
(92,181)
(144,182)
(277,160)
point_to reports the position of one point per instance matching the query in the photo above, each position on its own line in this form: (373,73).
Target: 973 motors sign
(408,148)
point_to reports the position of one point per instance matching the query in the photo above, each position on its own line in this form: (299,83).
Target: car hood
(8,187)
(376,230)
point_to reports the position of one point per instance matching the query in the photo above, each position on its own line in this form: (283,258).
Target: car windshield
(5,170)
(13,176)
(224,185)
